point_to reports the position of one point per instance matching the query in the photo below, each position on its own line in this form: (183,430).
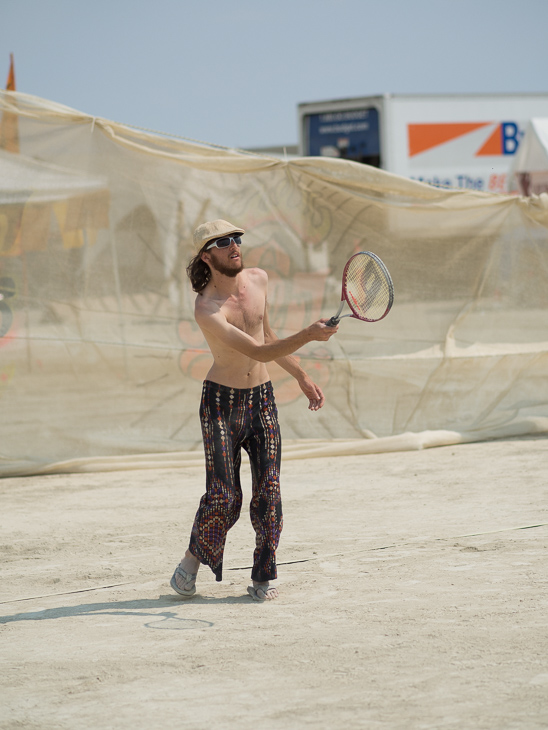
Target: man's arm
(313,392)
(211,319)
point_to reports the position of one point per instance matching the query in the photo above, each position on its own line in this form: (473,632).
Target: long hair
(199,273)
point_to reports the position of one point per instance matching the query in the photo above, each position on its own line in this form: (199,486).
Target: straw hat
(212,230)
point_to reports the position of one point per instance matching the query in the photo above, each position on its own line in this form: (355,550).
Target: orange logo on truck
(504,139)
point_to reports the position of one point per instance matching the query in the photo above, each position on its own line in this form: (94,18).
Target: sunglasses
(225,242)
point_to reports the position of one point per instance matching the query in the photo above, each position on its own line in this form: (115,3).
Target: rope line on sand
(68,593)
(302,560)
(401,544)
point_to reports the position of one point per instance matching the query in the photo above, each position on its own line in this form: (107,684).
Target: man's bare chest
(246,311)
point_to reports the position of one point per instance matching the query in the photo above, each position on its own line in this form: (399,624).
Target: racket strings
(368,288)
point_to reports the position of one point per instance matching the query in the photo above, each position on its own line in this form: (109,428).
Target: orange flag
(10,83)
(9,126)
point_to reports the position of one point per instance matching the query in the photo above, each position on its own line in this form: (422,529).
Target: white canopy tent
(48,183)
(529,171)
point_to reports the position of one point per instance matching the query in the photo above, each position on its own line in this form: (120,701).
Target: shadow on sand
(140,607)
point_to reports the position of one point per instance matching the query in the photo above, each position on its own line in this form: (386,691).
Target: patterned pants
(233,418)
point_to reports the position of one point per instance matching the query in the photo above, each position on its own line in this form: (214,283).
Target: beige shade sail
(101,363)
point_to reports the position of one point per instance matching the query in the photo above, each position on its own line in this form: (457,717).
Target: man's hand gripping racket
(367,289)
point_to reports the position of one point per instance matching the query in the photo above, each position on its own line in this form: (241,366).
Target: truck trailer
(445,140)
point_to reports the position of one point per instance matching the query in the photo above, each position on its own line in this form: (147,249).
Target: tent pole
(118,290)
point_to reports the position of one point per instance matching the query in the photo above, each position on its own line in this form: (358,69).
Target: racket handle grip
(333,322)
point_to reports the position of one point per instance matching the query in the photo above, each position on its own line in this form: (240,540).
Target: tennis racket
(367,289)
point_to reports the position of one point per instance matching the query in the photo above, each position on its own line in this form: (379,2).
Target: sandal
(187,577)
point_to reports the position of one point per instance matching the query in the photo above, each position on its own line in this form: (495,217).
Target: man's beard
(225,270)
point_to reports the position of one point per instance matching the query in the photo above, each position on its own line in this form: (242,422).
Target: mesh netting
(101,361)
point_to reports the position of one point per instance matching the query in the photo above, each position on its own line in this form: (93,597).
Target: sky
(232,72)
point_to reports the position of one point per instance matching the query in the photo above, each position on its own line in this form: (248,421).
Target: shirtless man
(237,408)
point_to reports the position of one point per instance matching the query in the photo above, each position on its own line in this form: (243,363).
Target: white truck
(450,141)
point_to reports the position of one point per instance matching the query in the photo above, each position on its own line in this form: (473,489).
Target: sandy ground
(413,595)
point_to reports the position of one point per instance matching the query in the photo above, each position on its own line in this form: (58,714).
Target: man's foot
(262,591)
(183,581)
